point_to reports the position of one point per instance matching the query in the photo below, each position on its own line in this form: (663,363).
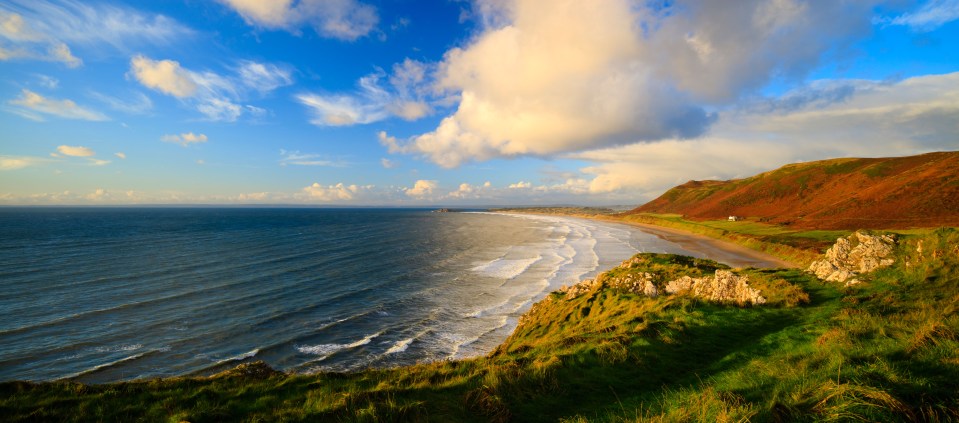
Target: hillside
(658,338)
(851,193)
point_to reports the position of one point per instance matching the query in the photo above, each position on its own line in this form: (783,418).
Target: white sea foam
(506,269)
(97,368)
(326,350)
(239,357)
(118,348)
(400,346)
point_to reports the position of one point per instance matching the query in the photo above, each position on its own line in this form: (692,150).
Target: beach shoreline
(715,249)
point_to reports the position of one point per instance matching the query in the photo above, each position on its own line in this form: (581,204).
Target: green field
(883,350)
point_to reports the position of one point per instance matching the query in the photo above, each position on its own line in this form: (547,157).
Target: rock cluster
(724,287)
(578,289)
(634,282)
(856,254)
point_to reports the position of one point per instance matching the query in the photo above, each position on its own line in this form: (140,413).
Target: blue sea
(110,294)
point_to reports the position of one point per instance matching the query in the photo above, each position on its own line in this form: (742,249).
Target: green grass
(883,350)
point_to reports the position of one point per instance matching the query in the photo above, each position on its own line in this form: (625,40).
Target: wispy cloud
(213,95)
(306,159)
(137,104)
(342,19)
(42,30)
(20,162)
(33,106)
(406,95)
(930,15)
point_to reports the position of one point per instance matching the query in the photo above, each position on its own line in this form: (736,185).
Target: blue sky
(485,102)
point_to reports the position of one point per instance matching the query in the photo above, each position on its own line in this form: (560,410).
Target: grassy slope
(880,193)
(884,350)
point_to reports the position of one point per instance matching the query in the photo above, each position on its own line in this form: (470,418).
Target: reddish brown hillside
(897,192)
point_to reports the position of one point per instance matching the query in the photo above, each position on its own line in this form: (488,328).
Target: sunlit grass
(883,350)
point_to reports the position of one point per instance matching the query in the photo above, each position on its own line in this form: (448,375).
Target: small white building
(735,218)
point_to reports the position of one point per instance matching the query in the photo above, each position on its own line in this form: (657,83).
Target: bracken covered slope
(851,193)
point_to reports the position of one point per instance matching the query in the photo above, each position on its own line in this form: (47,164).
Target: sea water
(108,294)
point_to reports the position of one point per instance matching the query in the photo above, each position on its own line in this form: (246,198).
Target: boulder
(854,255)
(724,287)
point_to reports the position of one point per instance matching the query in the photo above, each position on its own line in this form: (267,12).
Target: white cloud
(342,19)
(405,96)
(212,94)
(930,15)
(121,155)
(165,76)
(389,164)
(263,77)
(521,185)
(29,103)
(912,116)
(75,151)
(333,193)
(576,75)
(185,139)
(47,81)
(98,162)
(307,159)
(19,162)
(41,30)
(29,43)
(254,196)
(139,104)
(422,188)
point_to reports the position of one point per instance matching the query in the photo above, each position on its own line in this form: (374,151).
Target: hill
(850,193)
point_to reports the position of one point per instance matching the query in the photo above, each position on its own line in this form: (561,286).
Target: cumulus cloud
(35,30)
(405,95)
(521,185)
(121,155)
(422,188)
(165,76)
(333,193)
(29,104)
(75,151)
(584,75)
(341,19)
(930,15)
(215,96)
(912,116)
(185,139)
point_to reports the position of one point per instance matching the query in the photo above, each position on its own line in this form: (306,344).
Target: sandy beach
(722,251)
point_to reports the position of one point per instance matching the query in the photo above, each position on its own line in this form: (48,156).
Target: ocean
(111,294)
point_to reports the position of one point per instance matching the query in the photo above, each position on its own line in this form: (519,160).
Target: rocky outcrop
(634,282)
(723,287)
(854,255)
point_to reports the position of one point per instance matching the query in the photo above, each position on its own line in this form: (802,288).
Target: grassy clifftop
(886,349)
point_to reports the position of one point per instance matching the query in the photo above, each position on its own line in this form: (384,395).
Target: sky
(456,102)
